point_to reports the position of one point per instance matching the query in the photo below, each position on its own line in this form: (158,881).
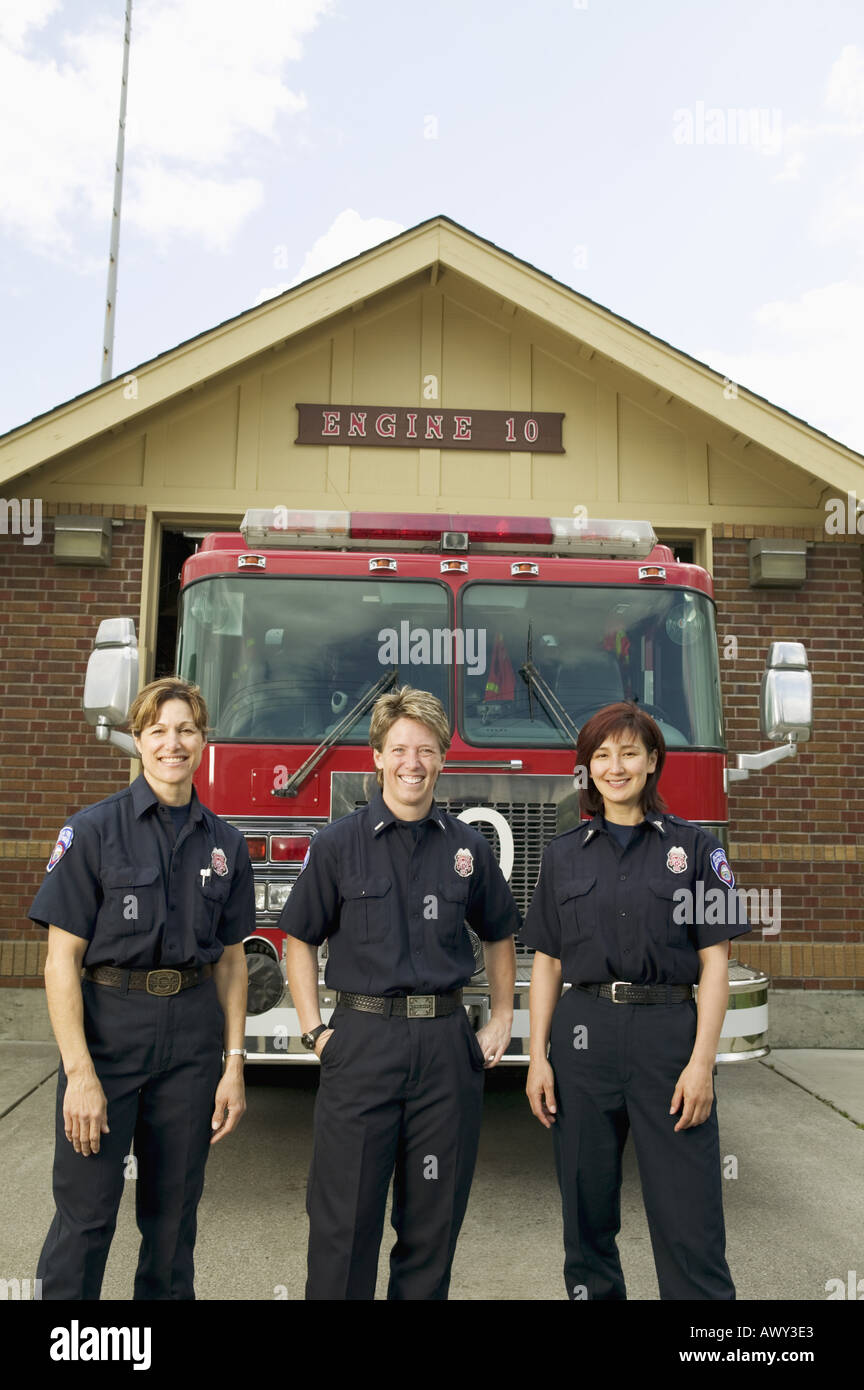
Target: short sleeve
(542,929)
(492,911)
(725,912)
(312,911)
(238,915)
(71,892)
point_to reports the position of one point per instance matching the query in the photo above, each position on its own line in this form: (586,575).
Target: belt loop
(127,975)
(388,1007)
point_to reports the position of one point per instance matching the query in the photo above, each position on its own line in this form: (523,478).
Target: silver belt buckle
(163,982)
(420,1005)
(615,984)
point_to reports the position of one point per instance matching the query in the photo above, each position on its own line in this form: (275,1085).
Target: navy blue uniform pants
(398,1098)
(159,1061)
(615,1068)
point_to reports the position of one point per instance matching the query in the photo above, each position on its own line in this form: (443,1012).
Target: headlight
(277,896)
(260,895)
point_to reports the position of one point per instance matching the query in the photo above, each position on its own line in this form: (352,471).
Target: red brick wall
(799,825)
(50,762)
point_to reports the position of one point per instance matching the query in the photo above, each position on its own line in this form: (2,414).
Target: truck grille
(533,825)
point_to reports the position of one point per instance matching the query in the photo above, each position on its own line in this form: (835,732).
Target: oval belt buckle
(163,982)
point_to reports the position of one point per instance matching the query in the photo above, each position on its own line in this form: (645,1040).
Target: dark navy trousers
(615,1068)
(398,1098)
(159,1061)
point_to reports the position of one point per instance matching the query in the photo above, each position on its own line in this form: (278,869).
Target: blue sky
(697,168)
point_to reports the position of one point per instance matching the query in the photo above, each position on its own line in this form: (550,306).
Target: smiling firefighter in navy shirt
(153,894)
(632,909)
(390,888)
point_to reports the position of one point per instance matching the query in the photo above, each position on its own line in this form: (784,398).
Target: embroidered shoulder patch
(64,840)
(720,865)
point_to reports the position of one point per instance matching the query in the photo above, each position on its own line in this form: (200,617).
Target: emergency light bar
(278,528)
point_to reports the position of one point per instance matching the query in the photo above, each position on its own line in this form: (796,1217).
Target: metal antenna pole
(111,293)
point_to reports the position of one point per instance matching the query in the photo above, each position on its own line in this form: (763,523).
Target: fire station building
(430,325)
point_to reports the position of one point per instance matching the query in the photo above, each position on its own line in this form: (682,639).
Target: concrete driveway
(794,1196)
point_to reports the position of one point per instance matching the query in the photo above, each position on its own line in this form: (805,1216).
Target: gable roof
(438,241)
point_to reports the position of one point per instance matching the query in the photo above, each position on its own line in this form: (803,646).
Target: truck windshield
(592,645)
(284,659)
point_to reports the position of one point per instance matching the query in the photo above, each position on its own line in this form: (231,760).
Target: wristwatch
(309,1039)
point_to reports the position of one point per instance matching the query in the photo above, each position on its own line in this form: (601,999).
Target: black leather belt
(621,992)
(403,1005)
(159,981)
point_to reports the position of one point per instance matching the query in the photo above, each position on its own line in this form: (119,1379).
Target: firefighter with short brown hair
(152,895)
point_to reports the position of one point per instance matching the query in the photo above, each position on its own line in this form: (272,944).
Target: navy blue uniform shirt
(639,913)
(121,879)
(392,897)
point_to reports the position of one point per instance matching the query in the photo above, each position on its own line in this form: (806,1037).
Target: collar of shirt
(143,797)
(596,827)
(381,817)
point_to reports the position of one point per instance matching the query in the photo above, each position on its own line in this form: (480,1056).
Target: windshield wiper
(546,695)
(346,723)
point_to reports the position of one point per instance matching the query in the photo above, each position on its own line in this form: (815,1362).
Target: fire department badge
(720,865)
(676,859)
(218,862)
(464,863)
(64,840)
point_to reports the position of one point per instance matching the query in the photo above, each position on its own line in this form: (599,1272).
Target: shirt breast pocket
(367,907)
(451,913)
(577,908)
(214,895)
(664,909)
(133,899)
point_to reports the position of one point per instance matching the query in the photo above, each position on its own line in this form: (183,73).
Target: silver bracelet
(235,1052)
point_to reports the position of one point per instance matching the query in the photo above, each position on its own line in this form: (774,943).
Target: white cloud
(806,357)
(845,92)
(839,215)
(348,235)
(844,97)
(166,202)
(202,87)
(17,16)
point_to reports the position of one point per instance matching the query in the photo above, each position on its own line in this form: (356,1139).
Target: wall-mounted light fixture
(82,540)
(777,562)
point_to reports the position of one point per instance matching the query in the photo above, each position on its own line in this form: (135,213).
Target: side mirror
(786,697)
(111,683)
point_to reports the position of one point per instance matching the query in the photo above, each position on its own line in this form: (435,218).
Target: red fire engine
(523,627)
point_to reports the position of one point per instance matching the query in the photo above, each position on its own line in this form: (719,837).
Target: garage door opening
(176,548)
